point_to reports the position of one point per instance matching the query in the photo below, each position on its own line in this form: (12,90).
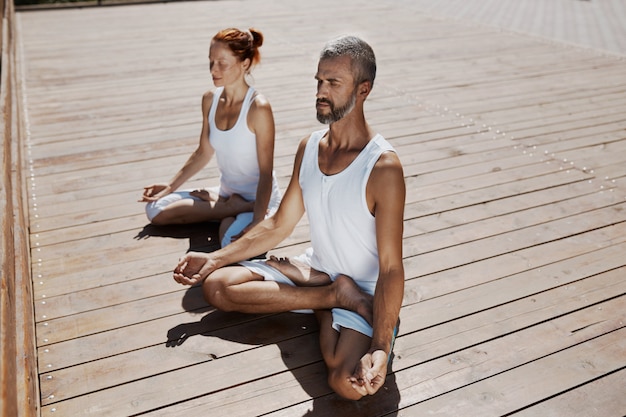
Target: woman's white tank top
(236,153)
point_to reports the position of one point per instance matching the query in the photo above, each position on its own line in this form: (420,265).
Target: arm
(262,124)
(198,159)
(194,266)
(386,197)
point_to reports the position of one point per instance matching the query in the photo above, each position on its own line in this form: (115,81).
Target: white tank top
(343,231)
(236,155)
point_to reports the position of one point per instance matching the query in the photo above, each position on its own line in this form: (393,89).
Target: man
(350,182)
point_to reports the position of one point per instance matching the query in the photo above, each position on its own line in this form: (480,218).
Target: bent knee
(159,220)
(340,383)
(166,218)
(214,290)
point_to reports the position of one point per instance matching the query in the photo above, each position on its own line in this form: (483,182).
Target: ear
(364,89)
(246,63)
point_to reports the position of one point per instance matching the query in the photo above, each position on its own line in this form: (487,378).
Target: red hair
(245,45)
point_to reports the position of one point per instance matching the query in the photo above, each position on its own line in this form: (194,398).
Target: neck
(351,131)
(235,92)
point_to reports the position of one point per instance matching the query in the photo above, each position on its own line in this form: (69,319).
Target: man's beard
(338,113)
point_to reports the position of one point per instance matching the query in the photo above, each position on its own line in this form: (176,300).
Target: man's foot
(300,273)
(351,297)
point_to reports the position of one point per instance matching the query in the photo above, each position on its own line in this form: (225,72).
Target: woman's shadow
(203,237)
(296,336)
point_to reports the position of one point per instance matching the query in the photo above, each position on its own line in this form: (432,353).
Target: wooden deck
(514,150)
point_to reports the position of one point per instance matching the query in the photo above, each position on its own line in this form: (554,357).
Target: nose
(322,90)
(213,68)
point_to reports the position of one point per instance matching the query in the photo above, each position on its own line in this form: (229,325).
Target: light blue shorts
(241,220)
(155,207)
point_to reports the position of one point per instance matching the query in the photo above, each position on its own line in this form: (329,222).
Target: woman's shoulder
(207,100)
(259,101)
(208,95)
(260,108)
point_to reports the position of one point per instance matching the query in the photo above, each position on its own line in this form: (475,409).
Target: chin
(323,119)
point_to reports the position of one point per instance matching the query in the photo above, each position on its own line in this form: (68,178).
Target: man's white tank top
(236,154)
(343,231)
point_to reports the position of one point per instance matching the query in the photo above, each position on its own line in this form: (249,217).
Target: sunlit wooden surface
(514,148)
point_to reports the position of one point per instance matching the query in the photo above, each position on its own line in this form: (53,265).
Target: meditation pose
(238,127)
(349,181)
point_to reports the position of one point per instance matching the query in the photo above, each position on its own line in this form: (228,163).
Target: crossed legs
(236,288)
(205,207)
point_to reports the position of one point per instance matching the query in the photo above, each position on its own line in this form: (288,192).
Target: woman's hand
(154,192)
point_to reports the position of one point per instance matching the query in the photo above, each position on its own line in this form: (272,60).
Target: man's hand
(193,268)
(370,373)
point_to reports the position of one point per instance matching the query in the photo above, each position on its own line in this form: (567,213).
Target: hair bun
(257,38)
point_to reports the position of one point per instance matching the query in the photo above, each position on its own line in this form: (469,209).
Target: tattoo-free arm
(386,197)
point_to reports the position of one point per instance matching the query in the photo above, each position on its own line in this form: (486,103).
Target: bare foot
(300,273)
(203,195)
(239,204)
(351,297)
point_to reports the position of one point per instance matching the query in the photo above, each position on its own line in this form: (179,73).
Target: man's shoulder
(388,158)
(313,138)
(317,134)
(382,143)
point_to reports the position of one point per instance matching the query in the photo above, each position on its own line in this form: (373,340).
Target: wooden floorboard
(514,153)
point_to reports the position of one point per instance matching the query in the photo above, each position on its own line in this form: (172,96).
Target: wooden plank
(501,208)
(431,343)
(489,227)
(192,387)
(95,320)
(134,363)
(559,195)
(473,251)
(178,353)
(88,347)
(493,367)
(519,387)
(596,397)
(122,400)
(50,250)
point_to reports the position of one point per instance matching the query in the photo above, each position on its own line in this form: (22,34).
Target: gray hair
(361,54)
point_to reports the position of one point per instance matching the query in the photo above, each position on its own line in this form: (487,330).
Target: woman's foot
(239,204)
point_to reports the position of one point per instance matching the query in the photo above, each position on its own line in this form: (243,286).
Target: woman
(238,127)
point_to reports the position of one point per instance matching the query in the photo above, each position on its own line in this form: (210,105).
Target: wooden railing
(19,394)
(86,3)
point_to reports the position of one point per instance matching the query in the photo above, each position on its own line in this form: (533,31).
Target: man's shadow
(288,331)
(203,237)
(296,335)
